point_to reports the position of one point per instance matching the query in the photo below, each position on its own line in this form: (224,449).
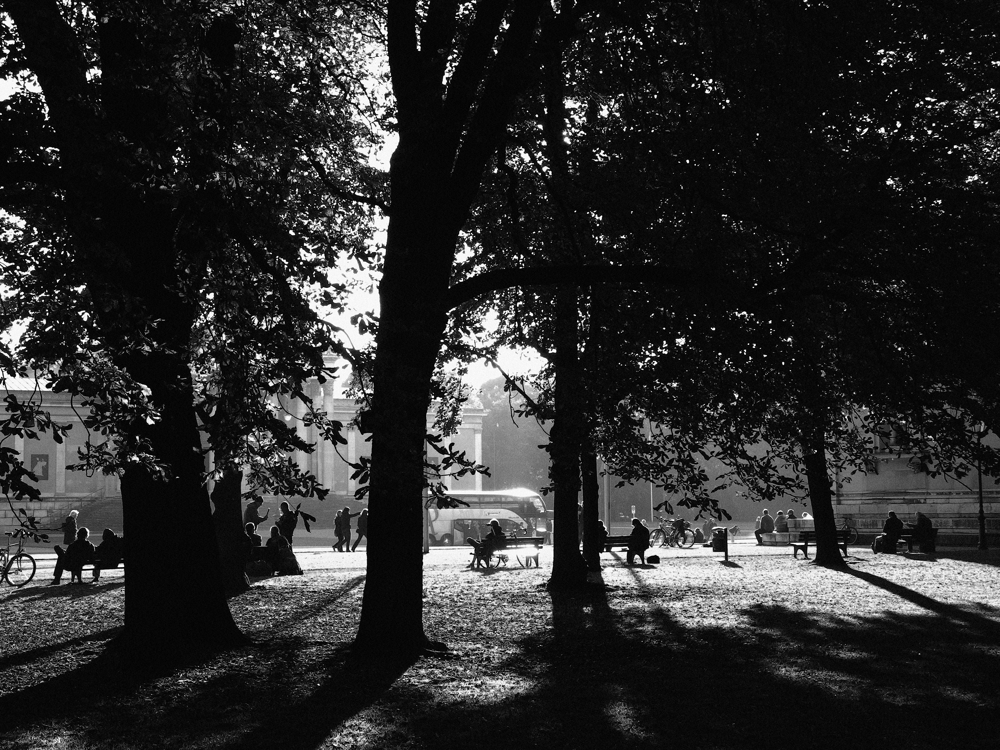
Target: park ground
(762,651)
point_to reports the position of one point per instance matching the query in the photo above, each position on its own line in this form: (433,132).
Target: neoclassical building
(98,497)
(898,481)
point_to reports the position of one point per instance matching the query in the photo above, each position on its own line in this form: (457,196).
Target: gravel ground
(762,651)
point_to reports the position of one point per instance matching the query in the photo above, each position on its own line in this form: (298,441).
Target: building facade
(98,496)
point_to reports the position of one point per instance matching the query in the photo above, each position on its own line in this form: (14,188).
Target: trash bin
(720,539)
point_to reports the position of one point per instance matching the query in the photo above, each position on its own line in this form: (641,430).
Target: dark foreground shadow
(608,671)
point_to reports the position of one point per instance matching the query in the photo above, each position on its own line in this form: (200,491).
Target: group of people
(638,540)
(342,527)
(276,555)
(287,520)
(777,524)
(80,551)
(892,531)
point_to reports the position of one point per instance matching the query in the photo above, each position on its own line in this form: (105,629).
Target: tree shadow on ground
(637,677)
(615,668)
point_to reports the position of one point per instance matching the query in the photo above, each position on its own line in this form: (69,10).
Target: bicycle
(18,568)
(851,529)
(667,535)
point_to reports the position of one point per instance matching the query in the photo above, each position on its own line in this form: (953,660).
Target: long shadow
(25,658)
(42,592)
(968,617)
(621,668)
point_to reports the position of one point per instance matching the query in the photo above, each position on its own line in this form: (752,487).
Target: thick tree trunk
(228,521)
(420,248)
(175,605)
(568,568)
(821,498)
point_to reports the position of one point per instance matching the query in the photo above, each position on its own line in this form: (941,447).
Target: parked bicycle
(17,567)
(668,535)
(851,529)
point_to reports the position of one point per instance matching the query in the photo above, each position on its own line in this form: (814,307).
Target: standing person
(338,527)
(68,527)
(345,527)
(288,519)
(638,541)
(252,513)
(766,526)
(79,553)
(362,528)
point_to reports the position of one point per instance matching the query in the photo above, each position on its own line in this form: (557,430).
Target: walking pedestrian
(362,528)
(345,526)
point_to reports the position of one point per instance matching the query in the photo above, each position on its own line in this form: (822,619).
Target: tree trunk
(591,512)
(568,568)
(420,248)
(821,498)
(228,521)
(175,605)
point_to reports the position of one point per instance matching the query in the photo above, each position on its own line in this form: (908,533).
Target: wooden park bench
(96,561)
(499,556)
(616,541)
(927,547)
(809,537)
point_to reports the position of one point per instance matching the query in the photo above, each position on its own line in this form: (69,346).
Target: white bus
(519,511)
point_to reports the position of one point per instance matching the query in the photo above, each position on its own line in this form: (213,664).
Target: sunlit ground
(765,651)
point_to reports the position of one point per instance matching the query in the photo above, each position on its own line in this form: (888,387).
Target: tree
(139,192)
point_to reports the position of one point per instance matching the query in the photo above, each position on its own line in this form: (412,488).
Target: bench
(807,537)
(927,547)
(499,557)
(616,541)
(96,561)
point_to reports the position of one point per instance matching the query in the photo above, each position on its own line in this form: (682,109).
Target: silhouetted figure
(74,557)
(766,526)
(288,519)
(283,559)
(602,535)
(887,540)
(923,533)
(252,512)
(338,527)
(362,528)
(493,541)
(109,554)
(345,527)
(68,527)
(638,542)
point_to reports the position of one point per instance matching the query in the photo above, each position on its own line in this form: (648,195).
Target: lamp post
(979,465)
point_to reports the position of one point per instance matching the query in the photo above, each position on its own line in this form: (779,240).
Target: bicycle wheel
(657,538)
(20,570)
(685,539)
(852,534)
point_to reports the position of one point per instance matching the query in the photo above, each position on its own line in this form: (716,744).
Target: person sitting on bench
(74,557)
(886,541)
(109,554)
(494,540)
(638,541)
(923,533)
